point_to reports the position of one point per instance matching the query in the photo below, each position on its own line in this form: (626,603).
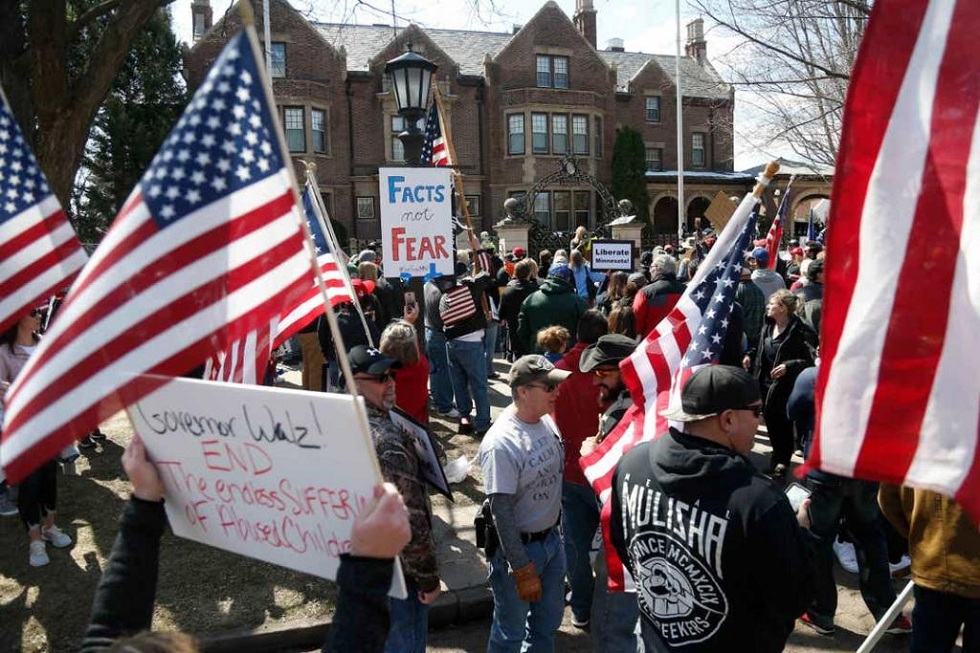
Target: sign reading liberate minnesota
(270,473)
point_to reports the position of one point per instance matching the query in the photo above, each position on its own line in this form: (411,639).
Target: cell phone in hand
(796,493)
(409,298)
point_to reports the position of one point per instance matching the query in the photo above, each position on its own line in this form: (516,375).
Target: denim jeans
(468,370)
(936,621)
(440,382)
(409,623)
(521,626)
(834,497)
(580,518)
(490,342)
(615,615)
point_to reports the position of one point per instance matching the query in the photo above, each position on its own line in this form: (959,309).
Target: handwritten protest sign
(416,220)
(270,473)
(429,464)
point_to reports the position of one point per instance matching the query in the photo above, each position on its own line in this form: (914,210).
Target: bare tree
(794,61)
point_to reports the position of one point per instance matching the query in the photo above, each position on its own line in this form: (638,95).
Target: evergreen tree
(629,167)
(146,99)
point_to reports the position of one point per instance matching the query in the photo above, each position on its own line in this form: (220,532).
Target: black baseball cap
(713,390)
(608,350)
(368,360)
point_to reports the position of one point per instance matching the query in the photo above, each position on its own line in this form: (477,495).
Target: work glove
(528,583)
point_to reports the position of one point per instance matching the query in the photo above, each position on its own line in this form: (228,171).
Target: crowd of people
(717,557)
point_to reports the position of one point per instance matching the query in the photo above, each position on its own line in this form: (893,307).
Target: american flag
(206,248)
(690,337)
(39,251)
(245,360)
(897,393)
(435,150)
(775,235)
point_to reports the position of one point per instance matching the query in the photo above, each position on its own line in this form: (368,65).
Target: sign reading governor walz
(269,473)
(416,221)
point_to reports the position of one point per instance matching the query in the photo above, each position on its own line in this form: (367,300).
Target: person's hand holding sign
(141,472)
(382,530)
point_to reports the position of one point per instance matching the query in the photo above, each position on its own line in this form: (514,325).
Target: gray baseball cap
(534,367)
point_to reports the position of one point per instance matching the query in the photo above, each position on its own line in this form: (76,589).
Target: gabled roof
(698,81)
(364,42)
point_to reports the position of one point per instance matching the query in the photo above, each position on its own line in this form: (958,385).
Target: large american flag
(775,235)
(897,393)
(690,337)
(208,246)
(39,251)
(435,149)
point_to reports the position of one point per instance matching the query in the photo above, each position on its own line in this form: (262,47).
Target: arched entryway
(817,204)
(665,215)
(695,209)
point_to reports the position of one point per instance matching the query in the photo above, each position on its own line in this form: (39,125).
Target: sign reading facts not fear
(416,221)
(270,473)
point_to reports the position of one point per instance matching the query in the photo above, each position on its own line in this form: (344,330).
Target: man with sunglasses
(717,555)
(374,375)
(522,459)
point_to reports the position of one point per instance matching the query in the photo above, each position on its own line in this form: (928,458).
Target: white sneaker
(846,556)
(56,536)
(452,413)
(39,555)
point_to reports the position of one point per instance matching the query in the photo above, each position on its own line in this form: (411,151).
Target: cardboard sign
(270,473)
(429,464)
(720,211)
(612,255)
(416,221)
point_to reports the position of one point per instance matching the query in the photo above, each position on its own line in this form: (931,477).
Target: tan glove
(528,583)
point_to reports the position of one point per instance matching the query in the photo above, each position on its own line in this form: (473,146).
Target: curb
(453,606)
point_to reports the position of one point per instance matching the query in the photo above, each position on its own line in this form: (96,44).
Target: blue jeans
(936,621)
(409,623)
(490,342)
(440,382)
(615,615)
(521,626)
(580,518)
(468,369)
(834,497)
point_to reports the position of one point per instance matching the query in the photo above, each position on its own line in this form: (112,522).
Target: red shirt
(412,389)
(576,411)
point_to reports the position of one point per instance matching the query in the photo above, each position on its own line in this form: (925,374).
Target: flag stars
(242,94)
(243,173)
(167,212)
(219,184)
(193,196)
(263,164)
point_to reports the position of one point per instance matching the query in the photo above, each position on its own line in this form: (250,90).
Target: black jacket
(795,349)
(511,298)
(719,561)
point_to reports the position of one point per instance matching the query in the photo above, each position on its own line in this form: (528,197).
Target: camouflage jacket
(399,460)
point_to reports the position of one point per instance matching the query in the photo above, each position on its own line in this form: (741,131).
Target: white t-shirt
(524,460)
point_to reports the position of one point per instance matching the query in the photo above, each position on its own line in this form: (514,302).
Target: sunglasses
(550,387)
(380,378)
(756,410)
(602,374)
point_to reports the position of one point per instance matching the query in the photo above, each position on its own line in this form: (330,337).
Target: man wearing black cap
(374,375)
(521,457)
(614,615)
(717,554)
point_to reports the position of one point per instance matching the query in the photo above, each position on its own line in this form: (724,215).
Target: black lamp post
(411,80)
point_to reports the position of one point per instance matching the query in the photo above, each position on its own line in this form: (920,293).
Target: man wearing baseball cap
(521,457)
(714,547)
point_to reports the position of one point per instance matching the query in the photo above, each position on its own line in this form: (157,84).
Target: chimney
(615,45)
(515,28)
(697,47)
(201,18)
(584,20)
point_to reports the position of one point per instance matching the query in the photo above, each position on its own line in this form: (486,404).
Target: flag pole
(680,128)
(456,175)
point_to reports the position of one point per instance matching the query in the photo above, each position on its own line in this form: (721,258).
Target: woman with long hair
(38,494)
(615,291)
(400,341)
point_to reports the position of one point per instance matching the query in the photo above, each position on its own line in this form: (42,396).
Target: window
(539,133)
(552,71)
(697,149)
(542,208)
(563,210)
(278,59)
(598,138)
(653,108)
(515,133)
(295,129)
(580,134)
(398,125)
(655,157)
(198,25)
(473,204)
(318,125)
(559,133)
(581,198)
(365,208)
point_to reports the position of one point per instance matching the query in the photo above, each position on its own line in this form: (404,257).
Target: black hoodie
(719,561)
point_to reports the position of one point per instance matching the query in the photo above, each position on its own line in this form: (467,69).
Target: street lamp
(411,78)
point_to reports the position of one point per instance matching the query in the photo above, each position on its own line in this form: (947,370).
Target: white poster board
(429,465)
(416,221)
(270,473)
(612,255)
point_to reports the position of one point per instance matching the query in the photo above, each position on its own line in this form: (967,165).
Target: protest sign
(612,255)
(270,473)
(429,464)
(416,221)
